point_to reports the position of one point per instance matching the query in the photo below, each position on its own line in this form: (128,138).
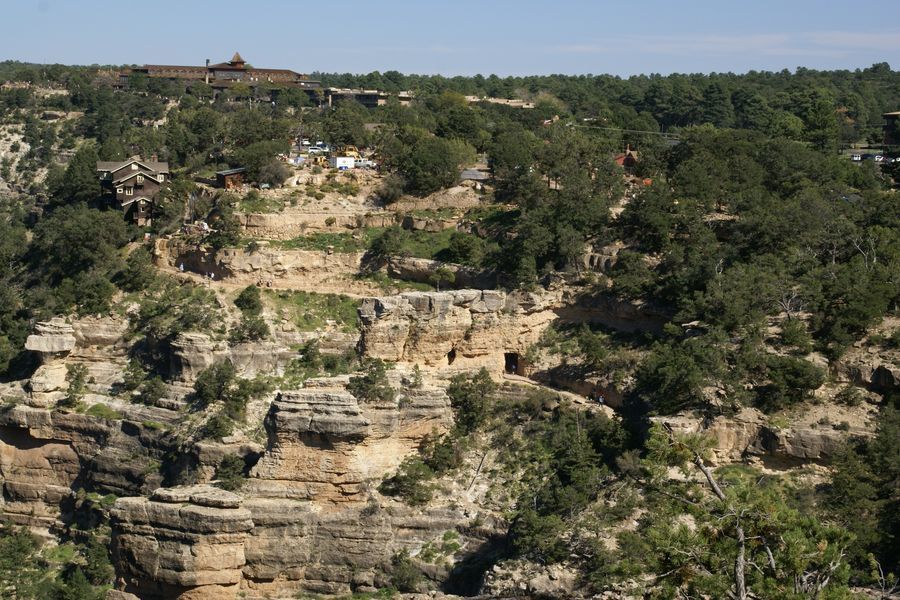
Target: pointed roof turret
(236,60)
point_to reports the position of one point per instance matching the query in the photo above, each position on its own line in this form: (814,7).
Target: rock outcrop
(462,328)
(324,445)
(751,434)
(54,339)
(423,270)
(320,270)
(46,455)
(185,543)
(52,342)
(193,353)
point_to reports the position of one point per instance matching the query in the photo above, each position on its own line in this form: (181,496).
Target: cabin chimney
(207,72)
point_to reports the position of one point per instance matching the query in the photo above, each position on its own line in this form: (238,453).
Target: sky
(460,37)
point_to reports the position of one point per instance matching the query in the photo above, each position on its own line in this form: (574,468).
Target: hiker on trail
(181,267)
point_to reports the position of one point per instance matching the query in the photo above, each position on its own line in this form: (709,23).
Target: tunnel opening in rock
(510,362)
(513,363)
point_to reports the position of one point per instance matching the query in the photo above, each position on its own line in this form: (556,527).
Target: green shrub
(151,391)
(794,333)
(791,380)
(470,396)
(372,386)
(104,412)
(250,329)
(249,301)
(213,383)
(218,427)
(139,272)
(391,189)
(76,375)
(230,473)
(404,574)
(411,482)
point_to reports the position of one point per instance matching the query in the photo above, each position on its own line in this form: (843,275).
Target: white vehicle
(856,157)
(363,163)
(341,162)
(315,150)
(879,158)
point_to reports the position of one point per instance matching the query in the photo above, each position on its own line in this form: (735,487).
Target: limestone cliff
(461,328)
(185,543)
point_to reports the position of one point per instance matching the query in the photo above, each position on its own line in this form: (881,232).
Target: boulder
(53,339)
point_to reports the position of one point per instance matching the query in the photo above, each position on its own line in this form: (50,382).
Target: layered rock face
(462,328)
(52,342)
(324,445)
(185,543)
(293,547)
(423,270)
(312,522)
(46,455)
(195,352)
(320,270)
(749,433)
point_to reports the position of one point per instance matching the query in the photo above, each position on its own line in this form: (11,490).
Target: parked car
(315,150)
(879,158)
(856,157)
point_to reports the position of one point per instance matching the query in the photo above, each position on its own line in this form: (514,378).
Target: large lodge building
(221,76)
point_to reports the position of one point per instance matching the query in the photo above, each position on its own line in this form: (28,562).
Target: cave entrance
(451,356)
(512,364)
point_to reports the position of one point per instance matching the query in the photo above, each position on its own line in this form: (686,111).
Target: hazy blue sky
(461,36)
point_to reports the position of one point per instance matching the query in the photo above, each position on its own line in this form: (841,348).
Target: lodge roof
(114,165)
(135,174)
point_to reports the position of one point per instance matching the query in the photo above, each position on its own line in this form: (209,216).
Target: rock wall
(185,543)
(52,341)
(45,456)
(318,270)
(751,434)
(310,520)
(462,328)
(287,225)
(421,270)
(325,445)
(461,197)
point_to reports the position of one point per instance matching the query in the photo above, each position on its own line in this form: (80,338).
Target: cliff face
(324,445)
(45,456)
(185,543)
(309,520)
(309,517)
(462,328)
